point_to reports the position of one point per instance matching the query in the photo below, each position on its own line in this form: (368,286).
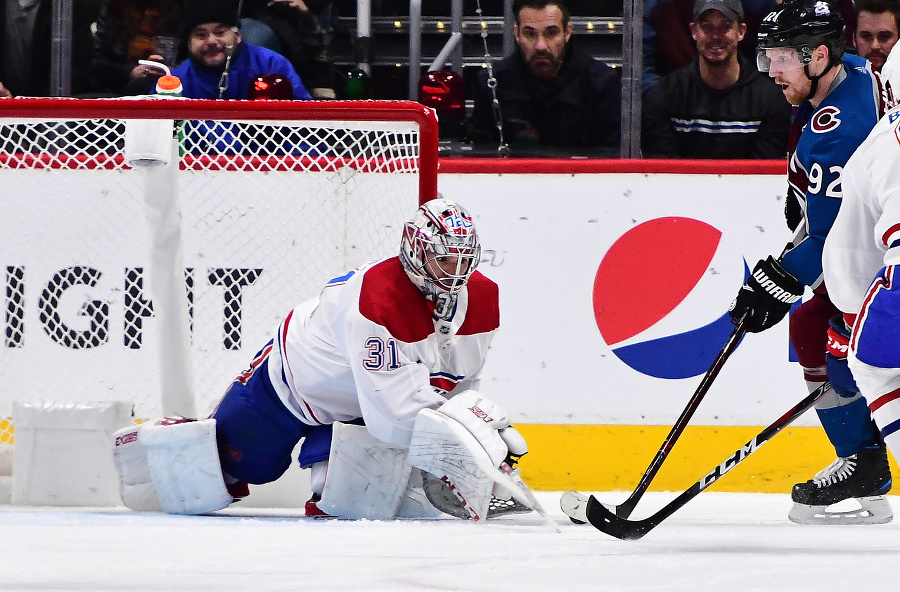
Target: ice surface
(724,542)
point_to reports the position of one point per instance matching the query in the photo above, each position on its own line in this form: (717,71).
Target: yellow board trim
(614,457)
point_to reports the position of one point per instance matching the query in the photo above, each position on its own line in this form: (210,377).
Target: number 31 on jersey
(382,354)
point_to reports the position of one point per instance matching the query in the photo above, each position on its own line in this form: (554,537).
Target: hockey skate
(864,477)
(313,510)
(441,496)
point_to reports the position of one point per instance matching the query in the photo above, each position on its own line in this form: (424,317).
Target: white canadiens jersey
(866,234)
(370,347)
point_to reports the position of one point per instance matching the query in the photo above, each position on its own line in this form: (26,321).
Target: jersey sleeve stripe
(286,368)
(884,400)
(878,285)
(891,236)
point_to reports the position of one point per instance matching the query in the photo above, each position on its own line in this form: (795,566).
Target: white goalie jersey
(854,252)
(370,347)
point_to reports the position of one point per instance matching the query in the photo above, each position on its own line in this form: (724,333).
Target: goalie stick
(625,508)
(583,508)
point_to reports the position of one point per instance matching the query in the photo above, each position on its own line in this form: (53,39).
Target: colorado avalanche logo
(825,120)
(822,9)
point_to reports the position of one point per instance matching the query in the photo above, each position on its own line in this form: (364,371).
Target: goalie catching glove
(766,296)
(464,443)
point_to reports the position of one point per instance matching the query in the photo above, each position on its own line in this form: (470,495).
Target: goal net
(268,200)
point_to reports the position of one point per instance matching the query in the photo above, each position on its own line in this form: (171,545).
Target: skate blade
(872,510)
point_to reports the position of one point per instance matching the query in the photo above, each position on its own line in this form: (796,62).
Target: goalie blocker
(173,466)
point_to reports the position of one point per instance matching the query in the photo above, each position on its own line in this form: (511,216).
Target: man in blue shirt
(220,65)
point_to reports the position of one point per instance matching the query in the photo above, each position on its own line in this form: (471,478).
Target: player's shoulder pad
(856,62)
(483,314)
(388,298)
(852,109)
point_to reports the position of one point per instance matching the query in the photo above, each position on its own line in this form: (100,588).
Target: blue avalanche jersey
(830,134)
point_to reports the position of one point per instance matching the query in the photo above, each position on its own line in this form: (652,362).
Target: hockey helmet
(439,248)
(802,25)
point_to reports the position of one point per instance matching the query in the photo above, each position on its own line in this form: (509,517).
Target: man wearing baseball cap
(719,106)
(732,9)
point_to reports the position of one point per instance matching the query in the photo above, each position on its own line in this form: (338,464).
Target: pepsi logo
(661,296)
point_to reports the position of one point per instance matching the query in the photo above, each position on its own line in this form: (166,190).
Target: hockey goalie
(378,378)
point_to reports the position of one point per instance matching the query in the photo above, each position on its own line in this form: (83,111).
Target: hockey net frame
(362,196)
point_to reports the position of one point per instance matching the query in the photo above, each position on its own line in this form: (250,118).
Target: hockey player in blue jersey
(801,46)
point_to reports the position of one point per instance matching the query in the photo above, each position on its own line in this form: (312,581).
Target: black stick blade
(606,521)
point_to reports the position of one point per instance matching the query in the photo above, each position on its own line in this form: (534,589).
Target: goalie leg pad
(183,461)
(441,446)
(366,477)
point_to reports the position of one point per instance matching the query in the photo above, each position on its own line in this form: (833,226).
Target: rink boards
(615,279)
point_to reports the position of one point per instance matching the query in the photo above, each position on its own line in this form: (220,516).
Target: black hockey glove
(766,296)
(793,212)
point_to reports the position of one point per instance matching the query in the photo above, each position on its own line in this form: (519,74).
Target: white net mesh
(271,210)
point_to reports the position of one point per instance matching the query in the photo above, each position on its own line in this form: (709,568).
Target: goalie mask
(439,251)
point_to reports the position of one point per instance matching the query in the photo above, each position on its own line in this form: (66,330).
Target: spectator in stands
(302,29)
(551,95)
(719,106)
(25,52)
(132,30)
(668,43)
(877,28)
(220,65)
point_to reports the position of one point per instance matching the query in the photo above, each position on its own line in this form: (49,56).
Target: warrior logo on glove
(766,296)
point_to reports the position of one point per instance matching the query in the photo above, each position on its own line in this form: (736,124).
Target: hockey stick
(601,517)
(533,503)
(625,508)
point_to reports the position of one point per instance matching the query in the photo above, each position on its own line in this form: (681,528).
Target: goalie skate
(861,479)
(441,495)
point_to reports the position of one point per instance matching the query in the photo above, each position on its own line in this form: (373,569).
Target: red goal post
(272,199)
